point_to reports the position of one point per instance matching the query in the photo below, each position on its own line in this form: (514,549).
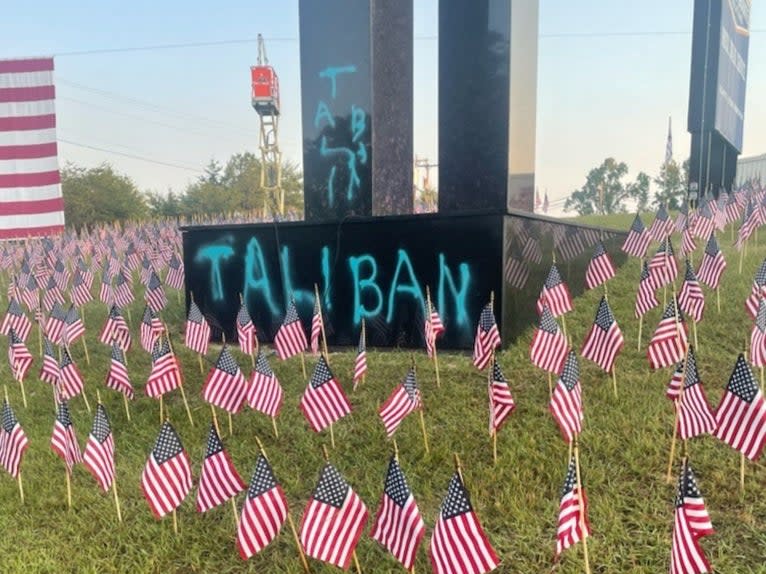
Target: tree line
(102,194)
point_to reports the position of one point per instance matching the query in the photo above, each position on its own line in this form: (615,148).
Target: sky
(158,89)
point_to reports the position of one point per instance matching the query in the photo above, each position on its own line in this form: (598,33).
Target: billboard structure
(717,91)
(30,183)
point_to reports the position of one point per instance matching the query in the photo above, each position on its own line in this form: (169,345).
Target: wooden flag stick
(201,366)
(303,365)
(677,402)
(332,436)
(290,518)
(640,327)
(186,404)
(116,499)
(564,325)
(130,317)
(614,380)
(458,467)
(231,427)
(85,348)
(742,472)
(364,338)
(550,384)
(127,407)
(68,490)
(162,418)
(21,487)
(762,380)
(742,256)
(215,420)
(356,563)
(321,322)
(718,298)
(436,357)
(234,510)
(274,426)
(694,328)
(175,521)
(583,523)
(423,428)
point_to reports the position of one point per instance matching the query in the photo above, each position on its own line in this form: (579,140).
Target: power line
(130,156)
(294,40)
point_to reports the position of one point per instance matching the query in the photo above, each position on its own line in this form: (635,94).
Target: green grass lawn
(624,447)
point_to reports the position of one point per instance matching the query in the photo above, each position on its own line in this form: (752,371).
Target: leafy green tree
(671,184)
(606,192)
(98,195)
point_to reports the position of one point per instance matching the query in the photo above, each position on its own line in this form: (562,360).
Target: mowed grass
(624,447)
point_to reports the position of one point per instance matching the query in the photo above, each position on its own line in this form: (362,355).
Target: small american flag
(155,294)
(458,543)
(99,450)
(638,239)
(19,357)
(117,376)
(166,479)
(13,442)
(694,414)
(549,346)
(758,337)
(64,440)
(662,226)
(704,225)
(741,414)
(246,333)
(566,402)
(750,221)
(166,371)
(197,336)
(432,328)
(555,294)
(360,363)
(115,329)
(106,293)
(674,386)
(669,340)
(49,372)
(16,319)
(398,526)
(487,338)
(52,295)
(663,267)
(501,403)
(713,264)
(225,386)
(264,512)
(73,326)
(691,299)
(290,340)
(573,523)
(404,399)
(151,329)
(219,480)
(757,291)
(690,523)
(323,402)
(264,391)
(600,268)
(604,341)
(54,326)
(175,276)
(688,244)
(123,290)
(80,289)
(316,327)
(71,382)
(333,520)
(645,297)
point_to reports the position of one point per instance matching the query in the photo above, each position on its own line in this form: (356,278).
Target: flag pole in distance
(641,318)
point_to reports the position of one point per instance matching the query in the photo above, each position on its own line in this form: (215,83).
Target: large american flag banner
(30,182)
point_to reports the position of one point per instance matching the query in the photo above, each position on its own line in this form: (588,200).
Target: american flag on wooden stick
(155,294)
(432,328)
(150,330)
(694,414)
(757,291)
(71,382)
(290,340)
(398,526)
(166,479)
(638,238)
(264,511)
(117,376)
(246,333)
(219,480)
(19,357)
(691,299)
(573,523)
(404,399)
(758,337)
(662,226)
(197,335)
(166,370)
(645,297)
(600,268)
(175,276)
(555,294)
(316,326)
(360,362)
(73,326)
(458,542)
(54,326)
(501,403)
(333,520)
(16,319)
(98,455)
(64,440)
(49,372)
(713,264)
(741,414)
(566,401)
(80,289)
(674,386)
(663,267)
(670,338)
(487,338)
(225,386)
(264,392)
(690,523)
(123,290)
(13,442)
(549,346)
(323,402)
(604,341)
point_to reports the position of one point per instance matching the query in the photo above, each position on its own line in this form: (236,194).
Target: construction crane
(265,101)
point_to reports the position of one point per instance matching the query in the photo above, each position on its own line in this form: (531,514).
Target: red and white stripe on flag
(30,182)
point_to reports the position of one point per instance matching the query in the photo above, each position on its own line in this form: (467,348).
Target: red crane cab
(265,92)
